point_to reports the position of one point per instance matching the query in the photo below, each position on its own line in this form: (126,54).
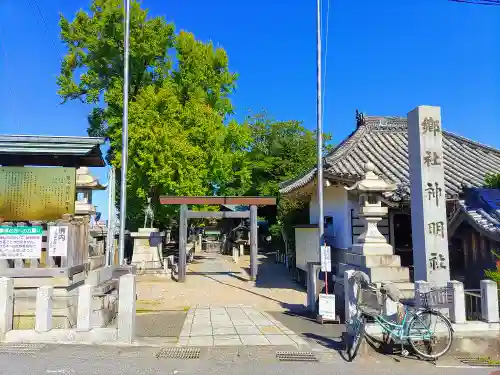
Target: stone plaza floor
(235,325)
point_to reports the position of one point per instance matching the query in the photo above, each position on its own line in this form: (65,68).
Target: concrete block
(457,308)
(84,322)
(43,322)
(489,301)
(380,274)
(126,308)
(99,276)
(372,260)
(6,304)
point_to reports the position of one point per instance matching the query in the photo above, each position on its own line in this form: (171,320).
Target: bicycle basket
(370,301)
(435,297)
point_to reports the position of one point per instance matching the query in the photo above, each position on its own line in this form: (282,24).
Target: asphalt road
(82,360)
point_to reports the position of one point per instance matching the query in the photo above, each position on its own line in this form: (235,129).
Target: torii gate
(186,214)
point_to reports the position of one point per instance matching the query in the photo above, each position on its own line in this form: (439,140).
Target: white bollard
(43,318)
(457,306)
(6,304)
(84,318)
(126,308)
(236,255)
(489,301)
(242,250)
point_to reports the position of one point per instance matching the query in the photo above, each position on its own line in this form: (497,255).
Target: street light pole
(319,135)
(123,189)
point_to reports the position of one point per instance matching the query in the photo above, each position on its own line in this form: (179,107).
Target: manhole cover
(479,361)
(179,353)
(296,357)
(21,348)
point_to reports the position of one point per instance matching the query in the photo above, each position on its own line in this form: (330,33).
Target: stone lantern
(370,190)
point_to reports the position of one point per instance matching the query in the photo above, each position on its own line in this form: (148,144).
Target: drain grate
(21,348)
(479,361)
(296,357)
(179,353)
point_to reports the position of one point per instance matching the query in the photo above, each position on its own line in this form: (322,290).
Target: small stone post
(6,304)
(236,255)
(126,308)
(242,250)
(489,301)
(457,308)
(84,319)
(43,318)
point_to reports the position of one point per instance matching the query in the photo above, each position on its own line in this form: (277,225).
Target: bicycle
(412,325)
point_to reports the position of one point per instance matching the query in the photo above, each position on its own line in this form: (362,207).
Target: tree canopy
(181,138)
(492,181)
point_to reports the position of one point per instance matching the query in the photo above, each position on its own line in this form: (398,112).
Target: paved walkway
(234,326)
(214,279)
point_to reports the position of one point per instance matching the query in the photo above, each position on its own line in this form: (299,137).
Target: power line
(36,9)
(478,2)
(3,50)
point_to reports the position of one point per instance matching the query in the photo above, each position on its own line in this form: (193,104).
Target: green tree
(494,274)
(492,181)
(179,142)
(279,151)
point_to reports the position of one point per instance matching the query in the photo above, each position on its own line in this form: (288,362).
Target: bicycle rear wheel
(355,337)
(426,330)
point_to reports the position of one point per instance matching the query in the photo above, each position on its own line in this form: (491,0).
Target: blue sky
(384,58)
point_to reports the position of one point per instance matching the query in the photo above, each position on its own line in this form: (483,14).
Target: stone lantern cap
(372,183)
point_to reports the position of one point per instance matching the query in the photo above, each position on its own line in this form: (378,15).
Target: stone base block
(372,260)
(380,274)
(372,249)
(99,276)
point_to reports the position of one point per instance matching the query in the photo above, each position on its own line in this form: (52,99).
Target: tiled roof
(384,142)
(480,208)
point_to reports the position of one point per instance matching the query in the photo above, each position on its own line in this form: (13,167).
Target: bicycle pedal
(405,353)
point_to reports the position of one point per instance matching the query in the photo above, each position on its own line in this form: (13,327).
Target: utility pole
(110,245)
(124,164)
(319,135)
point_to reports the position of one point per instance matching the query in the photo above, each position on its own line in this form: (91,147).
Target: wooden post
(182,243)
(253,242)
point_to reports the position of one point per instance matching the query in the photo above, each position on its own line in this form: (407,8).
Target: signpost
(58,241)
(20,242)
(428,196)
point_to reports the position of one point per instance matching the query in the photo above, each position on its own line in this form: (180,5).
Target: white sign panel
(326,259)
(58,241)
(20,242)
(428,198)
(327,306)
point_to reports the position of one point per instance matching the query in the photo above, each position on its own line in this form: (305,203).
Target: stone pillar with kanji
(428,196)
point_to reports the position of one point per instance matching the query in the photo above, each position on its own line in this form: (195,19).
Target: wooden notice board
(36,193)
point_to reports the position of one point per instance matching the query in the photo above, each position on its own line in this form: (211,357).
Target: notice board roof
(42,150)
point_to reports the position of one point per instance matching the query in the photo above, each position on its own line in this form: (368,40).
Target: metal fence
(473,304)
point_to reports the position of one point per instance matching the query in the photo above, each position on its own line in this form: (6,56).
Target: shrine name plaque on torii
(186,214)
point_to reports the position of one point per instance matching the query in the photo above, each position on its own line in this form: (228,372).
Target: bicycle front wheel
(355,337)
(430,334)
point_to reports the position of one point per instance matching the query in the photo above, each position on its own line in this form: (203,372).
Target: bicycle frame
(400,331)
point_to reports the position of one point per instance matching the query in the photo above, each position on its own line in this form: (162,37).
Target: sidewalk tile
(247,330)
(201,341)
(254,340)
(270,330)
(217,331)
(202,331)
(231,340)
(280,340)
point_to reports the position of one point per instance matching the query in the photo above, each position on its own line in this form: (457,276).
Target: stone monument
(371,253)
(428,197)
(147,253)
